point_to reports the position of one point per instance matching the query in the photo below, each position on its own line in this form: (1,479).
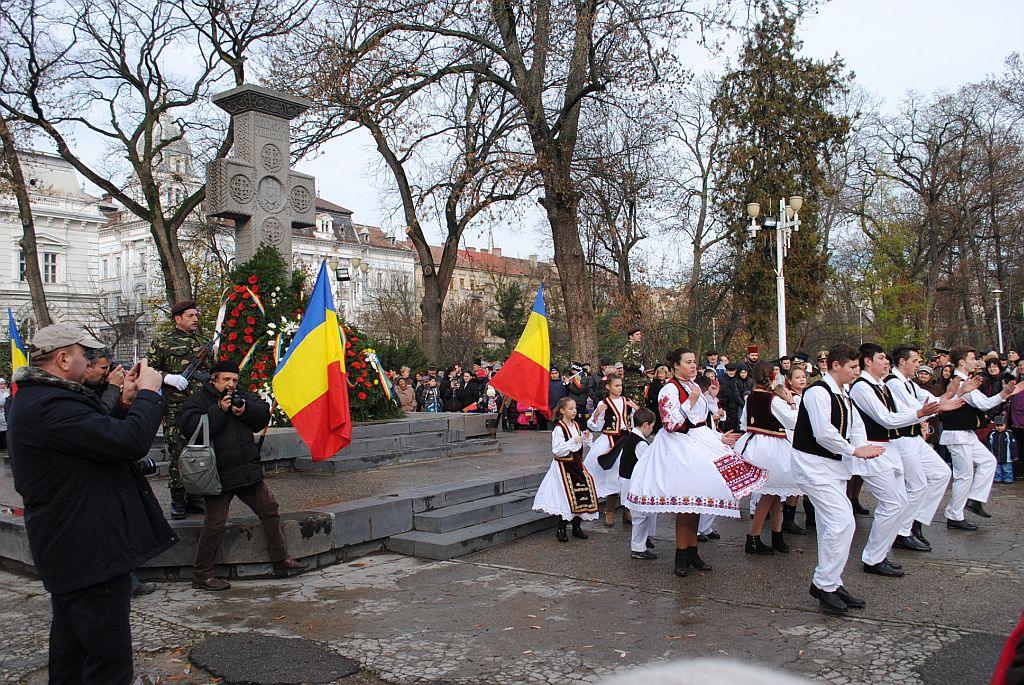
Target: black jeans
(91,636)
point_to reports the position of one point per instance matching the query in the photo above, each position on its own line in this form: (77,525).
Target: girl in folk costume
(611,420)
(769,411)
(796,381)
(690,469)
(567,489)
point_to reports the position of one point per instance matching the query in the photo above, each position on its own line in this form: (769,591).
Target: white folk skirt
(774,455)
(606,482)
(551,497)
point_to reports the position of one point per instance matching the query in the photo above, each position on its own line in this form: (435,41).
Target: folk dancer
(567,490)
(828,435)
(924,473)
(973,464)
(630,450)
(612,419)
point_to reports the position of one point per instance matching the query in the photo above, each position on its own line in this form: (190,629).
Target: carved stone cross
(255,186)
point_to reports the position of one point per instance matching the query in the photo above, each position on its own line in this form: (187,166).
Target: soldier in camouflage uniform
(171,355)
(632,359)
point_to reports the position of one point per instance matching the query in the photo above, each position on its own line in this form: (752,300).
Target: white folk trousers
(973,468)
(926,477)
(644,524)
(888,488)
(834,525)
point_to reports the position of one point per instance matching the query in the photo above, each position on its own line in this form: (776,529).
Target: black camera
(147,466)
(237,401)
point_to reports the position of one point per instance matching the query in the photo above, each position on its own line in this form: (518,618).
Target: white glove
(176,381)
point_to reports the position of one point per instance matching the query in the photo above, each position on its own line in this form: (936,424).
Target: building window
(462,284)
(49,267)
(21,266)
(106,268)
(117,266)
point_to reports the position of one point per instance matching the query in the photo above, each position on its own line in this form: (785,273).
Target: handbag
(198,464)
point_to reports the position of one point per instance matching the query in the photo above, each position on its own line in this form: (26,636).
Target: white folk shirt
(907,394)
(980,401)
(867,401)
(819,411)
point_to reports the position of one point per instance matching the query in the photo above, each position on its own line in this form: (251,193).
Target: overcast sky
(892,46)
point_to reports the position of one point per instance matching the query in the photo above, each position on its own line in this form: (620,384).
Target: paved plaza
(537,611)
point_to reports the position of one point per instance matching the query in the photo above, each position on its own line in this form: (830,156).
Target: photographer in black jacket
(234,417)
(90,516)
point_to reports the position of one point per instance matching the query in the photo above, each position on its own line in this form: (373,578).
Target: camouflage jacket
(632,358)
(172,354)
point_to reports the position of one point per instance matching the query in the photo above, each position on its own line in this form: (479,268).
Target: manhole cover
(268,660)
(968,661)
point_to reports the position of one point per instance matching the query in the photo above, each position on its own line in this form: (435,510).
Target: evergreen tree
(512,312)
(778,109)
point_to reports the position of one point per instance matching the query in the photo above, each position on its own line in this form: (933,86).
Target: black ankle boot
(789,524)
(858,508)
(755,546)
(577,532)
(915,530)
(779,543)
(694,560)
(178,504)
(682,567)
(560,534)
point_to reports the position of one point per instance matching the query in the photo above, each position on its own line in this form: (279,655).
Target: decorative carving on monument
(265,104)
(301,200)
(241,189)
(271,157)
(273,231)
(270,194)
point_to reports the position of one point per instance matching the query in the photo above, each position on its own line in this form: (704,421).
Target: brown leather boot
(288,567)
(208,581)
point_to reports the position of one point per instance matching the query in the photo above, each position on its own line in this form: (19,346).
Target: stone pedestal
(255,186)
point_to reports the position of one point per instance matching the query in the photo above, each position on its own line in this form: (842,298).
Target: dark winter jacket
(238,460)
(556,391)
(90,515)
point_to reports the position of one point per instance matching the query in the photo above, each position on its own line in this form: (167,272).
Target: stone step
(455,543)
(403,455)
(473,512)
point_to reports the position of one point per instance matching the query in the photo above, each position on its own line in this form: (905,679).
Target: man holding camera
(90,515)
(234,417)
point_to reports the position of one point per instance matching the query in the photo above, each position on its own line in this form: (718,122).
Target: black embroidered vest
(803,434)
(876,432)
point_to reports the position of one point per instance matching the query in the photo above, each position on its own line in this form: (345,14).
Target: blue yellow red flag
(309,383)
(525,375)
(19,354)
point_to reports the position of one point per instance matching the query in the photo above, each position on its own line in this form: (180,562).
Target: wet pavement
(538,611)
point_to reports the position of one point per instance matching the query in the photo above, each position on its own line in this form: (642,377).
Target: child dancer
(796,381)
(631,449)
(770,409)
(612,419)
(567,489)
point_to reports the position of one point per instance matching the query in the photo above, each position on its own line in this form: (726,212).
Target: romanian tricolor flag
(526,373)
(309,383)
(19,357)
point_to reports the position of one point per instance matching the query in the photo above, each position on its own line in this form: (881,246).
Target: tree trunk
(28,236)
(430,319)
(177,283)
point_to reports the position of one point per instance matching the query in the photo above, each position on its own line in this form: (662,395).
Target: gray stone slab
(182,553)
(307,533)
(471,513)
(369,519)
(381,430)
(476,425)
(14,540)
(435,423)
(471,539)
(250,657)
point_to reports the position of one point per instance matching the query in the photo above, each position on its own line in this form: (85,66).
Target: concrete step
(344,463)
(473,512)
(455,543)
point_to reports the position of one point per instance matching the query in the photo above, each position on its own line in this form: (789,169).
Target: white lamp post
(787,223)
(999,317)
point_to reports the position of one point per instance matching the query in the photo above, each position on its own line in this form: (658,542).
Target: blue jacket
(1003,445)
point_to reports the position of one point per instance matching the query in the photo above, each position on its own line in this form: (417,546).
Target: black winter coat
(238,461)
(90,515)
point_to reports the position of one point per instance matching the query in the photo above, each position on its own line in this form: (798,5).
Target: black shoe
(851,601)
(883,568)
(577,532)
(779,543)
(915,531)
(650,543)
(894,564)
(179,508)
(911,543)
(646,555)
(694,560)
(714,535)
(975,506)
(857,508)
(560,534)
(755,546)
(681,567)
(143,588)
(829,602)
(789,524)
(701,537)
(960,525)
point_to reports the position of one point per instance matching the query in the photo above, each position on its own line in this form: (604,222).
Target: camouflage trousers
(174,445)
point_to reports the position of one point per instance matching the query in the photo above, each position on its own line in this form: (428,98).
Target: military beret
(183,306)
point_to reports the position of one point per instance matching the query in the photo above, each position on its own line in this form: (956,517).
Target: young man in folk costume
(829,434)
(884,476)
(973,464)
(567,490)
(924,473)
(611,420)
(627,452)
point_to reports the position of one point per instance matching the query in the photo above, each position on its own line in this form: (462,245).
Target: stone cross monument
(255,186)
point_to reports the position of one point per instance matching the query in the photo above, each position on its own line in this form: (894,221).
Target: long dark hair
(762,374)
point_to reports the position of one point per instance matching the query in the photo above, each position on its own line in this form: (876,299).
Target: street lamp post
(999,317)
(787,223)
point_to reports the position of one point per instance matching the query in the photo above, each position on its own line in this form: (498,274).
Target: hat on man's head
(606,361)
(999,420)
(58,335)
(753,349)
(225,366)
(822,354)
(925,370)
(183,306)
(940,348)
(801,357)
(731,366)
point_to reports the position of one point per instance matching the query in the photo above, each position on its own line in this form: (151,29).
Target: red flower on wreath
(362,395)
(232,296)
(252,387)
(231,323)
(248,330)
(232,335)
(255,288)
(348,345)
(351,353)
(251,320)
(261,366)
(253,279)
(230,347)
(248,338)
